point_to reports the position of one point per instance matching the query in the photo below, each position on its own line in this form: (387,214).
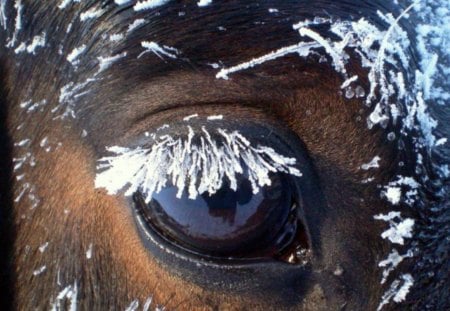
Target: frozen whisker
(403,187)
(302,48)
(339,58)
(65,3)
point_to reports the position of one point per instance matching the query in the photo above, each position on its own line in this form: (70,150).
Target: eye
(221,191)
(229,223)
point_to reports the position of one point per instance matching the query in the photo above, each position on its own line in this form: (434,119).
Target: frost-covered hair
(405,95)
(195,164)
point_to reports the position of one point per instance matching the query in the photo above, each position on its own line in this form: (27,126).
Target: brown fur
(73,214)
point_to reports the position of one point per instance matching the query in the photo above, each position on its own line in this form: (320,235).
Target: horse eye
(216,195)
(229,223)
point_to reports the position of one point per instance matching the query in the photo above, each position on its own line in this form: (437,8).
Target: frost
(396,292)
(135,24)
(106,62)
(393,191)
(38,41)
(192,116)
(134,305)
(393,195)
(339,58)
(121,2)
(302,48)
(17,24)
(32,107)
(69,93)
(25,187)
(116,37)
(43,142)
(43,247)
(391,262)
(372,164)
(216,117)
(202,3)
(400,229)
(39,270)
(76,52)
(149,4)
(349,81)
(69,294)
(196,167)
(89,251)
(90,14)
(147,304)
(158,50)
(441,141)
(22,143)
(3,18)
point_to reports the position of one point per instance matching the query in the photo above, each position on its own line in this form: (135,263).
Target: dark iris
(228,223)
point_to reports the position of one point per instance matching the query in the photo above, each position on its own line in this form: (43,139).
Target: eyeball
(229,223)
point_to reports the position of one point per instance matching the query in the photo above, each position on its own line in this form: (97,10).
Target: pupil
(226,223)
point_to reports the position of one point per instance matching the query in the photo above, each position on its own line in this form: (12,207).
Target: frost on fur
(196,164)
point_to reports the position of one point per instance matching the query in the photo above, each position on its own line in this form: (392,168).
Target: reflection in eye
(228,223)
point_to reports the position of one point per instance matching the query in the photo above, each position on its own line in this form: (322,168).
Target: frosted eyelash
(195,168)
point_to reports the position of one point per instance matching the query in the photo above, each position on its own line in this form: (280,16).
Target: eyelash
(196,162)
